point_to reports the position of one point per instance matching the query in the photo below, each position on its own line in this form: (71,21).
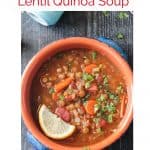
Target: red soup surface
(87,86)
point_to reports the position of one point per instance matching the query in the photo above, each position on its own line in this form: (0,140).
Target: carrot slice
(61,85)
(54,96)
(89,68)
(89,107)
(122,107)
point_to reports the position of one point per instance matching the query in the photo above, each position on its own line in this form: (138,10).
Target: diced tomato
(102,123)
(66,116)
(59,111)
(82,109)
(73,85)
(68,98)
(99,79)
(93,88)
(63,113)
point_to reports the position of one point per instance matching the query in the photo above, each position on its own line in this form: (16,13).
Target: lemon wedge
(53,126)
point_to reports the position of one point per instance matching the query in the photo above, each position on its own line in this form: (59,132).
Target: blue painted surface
(111,43)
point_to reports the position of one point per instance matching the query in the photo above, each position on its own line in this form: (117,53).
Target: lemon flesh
(53,126)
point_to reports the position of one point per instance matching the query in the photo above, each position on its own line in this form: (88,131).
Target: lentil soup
(84,89)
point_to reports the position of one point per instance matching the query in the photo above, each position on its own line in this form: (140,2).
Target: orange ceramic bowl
(49,51)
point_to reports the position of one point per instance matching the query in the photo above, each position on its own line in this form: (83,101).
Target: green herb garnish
(87,77)
(61,97)
(111,96)
(101,98)
(105,80)
(111,107)
(123,15)
(120,36)
(94,55)
(87,84)
(119,89)
(51,90)
(85,98)
(96,107)
(104,116)
(110,118)
(96,120)
(103,109)
(99,114)
(105,13)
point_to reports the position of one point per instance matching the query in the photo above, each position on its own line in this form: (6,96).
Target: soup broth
(86,87)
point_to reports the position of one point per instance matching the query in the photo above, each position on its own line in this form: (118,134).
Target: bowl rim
(28,71)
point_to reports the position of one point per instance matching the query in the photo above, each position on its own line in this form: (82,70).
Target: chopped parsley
(87,77)
(99,114)
(61,97)
(111,96)
(51,90)
(105,13)
(96,107)
(105,80)
(103,109)
(94,55)
(110,118)
(119,89)
(111,108)
(87,84)
(85,98)
(122,15)
(96,120)
(101,98)
(120,36)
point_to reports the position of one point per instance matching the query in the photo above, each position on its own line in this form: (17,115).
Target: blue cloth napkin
(114,45)
(36,144)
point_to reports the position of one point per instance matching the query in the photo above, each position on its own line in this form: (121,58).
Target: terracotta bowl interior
(63,45)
